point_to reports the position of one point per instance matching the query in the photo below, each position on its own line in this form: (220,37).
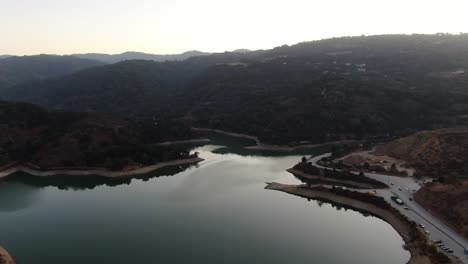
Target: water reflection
(15,196)
(67,182)
(217,213)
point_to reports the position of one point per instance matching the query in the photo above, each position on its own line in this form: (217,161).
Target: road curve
(404,188)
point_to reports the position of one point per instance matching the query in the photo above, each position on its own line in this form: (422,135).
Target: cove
(215,212)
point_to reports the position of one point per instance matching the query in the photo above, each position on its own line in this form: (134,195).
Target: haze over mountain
(314,91)
(16,70)
(132,55)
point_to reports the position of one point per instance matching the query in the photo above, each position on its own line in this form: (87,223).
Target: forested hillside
(313,91)
(50,139)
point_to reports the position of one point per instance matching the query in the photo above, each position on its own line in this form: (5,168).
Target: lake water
(218,212)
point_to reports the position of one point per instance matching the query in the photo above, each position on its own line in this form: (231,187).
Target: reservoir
(215,212)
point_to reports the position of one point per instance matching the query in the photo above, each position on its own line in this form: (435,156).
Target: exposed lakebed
(215,212)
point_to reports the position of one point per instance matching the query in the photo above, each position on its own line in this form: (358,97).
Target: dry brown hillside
(433,153)
(448,201)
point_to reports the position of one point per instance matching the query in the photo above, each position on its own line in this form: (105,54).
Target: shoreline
(402,227)
(6,257)
(268,147)
(180,142)
(328,179)
(98,172)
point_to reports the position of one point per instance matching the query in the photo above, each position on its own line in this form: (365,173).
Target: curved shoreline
(268,147)
(331,180)
(98,172)
(402,227)
(6,257)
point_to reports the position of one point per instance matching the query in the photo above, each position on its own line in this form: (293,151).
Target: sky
(173,26)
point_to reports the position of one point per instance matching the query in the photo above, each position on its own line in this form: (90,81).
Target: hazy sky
(174,26)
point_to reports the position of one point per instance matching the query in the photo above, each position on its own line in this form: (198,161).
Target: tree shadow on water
(89,182)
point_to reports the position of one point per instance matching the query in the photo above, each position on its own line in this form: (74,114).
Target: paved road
(404,188)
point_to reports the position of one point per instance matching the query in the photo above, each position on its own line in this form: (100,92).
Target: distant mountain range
(107,58)
(16,70)
(341,88)
(4,56)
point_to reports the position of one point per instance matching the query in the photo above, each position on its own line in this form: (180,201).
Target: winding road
(404,188)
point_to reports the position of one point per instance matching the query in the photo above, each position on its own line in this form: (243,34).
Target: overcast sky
(174,26)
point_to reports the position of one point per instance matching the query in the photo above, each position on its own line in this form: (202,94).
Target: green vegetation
(342,88)
(50,139)
(309,168)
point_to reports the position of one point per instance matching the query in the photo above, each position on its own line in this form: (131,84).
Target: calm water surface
(217,212)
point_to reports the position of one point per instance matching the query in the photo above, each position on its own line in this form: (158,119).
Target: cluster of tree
(91,182)
(48,139)
(343,88)
(309,168)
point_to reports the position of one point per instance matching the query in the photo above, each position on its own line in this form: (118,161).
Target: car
(399,188)
(406,208)
(411,199)
(422,225)
(397,200)
(392,183)
(437,241)
(427,232)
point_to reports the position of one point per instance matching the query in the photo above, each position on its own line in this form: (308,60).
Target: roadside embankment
(414,240)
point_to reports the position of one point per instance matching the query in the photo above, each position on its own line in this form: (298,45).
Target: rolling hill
(114,58)
(341,88)
(50,139)
(18,70)
(442,152)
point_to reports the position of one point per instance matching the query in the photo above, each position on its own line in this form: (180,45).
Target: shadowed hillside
(18,70)
(341,88)
(49,139)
